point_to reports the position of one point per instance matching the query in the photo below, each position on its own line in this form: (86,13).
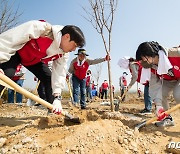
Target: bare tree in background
(98,73)
(8,16)
(101,16)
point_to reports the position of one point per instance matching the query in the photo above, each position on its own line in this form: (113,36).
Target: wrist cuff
(58,97)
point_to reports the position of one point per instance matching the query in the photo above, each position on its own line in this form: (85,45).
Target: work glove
(160,114)
(57,107)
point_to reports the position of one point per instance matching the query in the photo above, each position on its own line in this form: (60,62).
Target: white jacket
(15,38)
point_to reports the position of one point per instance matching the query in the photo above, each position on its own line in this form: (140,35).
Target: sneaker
(83,107)
(168,121)
(145,111)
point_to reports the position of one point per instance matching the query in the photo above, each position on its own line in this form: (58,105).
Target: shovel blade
(142,124)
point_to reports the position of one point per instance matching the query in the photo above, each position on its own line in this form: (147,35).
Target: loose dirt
(26,129)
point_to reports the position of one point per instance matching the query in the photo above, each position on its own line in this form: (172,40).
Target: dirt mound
(29,130)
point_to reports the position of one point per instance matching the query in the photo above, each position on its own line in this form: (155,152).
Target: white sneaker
(166,122)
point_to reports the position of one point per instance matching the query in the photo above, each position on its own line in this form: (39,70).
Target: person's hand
(160,113)
(1,71)
(57,107)
(107,58)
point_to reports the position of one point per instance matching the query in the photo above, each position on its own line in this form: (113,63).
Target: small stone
(2,141)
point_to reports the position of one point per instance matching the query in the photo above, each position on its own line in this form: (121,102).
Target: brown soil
(26,129)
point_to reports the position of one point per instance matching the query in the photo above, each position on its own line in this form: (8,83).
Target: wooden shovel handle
(24,92)
(174,108)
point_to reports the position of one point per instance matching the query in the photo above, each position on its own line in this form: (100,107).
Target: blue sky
(135,22)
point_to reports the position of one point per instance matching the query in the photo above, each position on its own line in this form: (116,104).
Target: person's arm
(71,67)
(15,38)
(134,72)
(95,61)
(59,74)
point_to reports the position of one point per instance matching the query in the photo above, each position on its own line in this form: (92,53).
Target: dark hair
(149,49)
(75,33)
(132,59)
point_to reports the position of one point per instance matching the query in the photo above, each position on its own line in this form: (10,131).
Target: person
(89,86)
(93,85)
(165,76)
(78,69)
(94,92)
(35,42)
(140,75)
(139,92)
(100,92)
(105,87)
(19,78)
(123,85)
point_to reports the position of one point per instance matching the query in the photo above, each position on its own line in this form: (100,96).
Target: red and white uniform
(162,84)
(136,72)
(79,69)
(27,35)
(105,86)
(19,74)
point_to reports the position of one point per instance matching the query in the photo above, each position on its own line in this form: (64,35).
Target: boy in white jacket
(33,44)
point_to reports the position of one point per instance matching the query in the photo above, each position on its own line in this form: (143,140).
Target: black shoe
(37,104)
(83,107)
(145,111)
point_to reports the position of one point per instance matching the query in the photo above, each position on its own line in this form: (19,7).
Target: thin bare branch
(101,16)
(8,16)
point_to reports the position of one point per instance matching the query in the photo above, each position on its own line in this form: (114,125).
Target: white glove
(57,107)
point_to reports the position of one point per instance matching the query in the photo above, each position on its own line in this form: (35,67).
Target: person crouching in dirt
(34,42)
(165,75)
(141,75)
(78,69)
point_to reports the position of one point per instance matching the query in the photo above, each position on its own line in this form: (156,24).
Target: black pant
(41,91)
(104,91)
(40,70)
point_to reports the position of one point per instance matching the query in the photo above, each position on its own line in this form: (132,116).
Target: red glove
(107,58)
(160,113)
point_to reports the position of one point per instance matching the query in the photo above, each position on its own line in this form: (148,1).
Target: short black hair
(75,33)
(149,49)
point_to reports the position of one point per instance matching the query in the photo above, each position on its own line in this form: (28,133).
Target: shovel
(35,98)
(70,92)
(30,102)
(146,122)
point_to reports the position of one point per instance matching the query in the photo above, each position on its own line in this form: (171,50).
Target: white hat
(124,62)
